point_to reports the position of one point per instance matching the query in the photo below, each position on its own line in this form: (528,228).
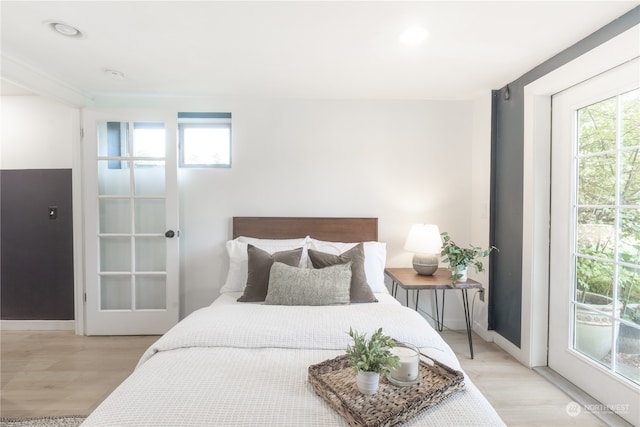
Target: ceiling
(291,49)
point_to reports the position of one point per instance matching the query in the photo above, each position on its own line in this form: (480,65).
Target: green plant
(593,273)
(372,355)
(459,258)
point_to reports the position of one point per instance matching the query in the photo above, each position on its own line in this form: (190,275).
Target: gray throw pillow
(306,286)
(360,289)
(259,266)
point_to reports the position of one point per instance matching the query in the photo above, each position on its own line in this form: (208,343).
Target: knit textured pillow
(305,286)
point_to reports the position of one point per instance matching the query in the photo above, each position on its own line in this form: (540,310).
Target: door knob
(169,234)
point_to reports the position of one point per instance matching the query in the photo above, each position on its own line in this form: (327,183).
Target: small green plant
(372,355)
(459,258)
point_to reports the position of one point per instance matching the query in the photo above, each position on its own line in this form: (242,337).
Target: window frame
(203,120)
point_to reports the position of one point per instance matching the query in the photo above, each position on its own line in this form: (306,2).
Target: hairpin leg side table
(408,279)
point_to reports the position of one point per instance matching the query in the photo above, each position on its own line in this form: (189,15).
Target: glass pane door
(594,265)
(131,216)
(606,301)
(131,198)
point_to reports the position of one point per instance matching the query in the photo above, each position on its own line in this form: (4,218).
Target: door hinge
(85,297)
(81,132)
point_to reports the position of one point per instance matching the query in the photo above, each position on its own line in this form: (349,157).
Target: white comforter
(244,364)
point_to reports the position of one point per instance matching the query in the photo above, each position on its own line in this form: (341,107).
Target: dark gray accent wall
(505,300)
(506,219)
(36,249)
(505,303)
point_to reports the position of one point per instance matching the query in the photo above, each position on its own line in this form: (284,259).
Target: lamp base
(425,264)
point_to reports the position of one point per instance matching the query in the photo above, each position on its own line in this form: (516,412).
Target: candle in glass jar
(409,357)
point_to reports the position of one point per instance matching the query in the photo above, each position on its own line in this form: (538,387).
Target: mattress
(246,364)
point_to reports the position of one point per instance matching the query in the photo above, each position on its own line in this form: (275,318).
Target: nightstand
(408,279)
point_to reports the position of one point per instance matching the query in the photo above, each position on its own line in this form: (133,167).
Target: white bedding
(245,364)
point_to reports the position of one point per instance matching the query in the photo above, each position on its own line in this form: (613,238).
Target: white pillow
(238,259)
(375,258)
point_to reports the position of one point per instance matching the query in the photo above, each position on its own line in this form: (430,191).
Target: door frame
(77,171)
(536,187)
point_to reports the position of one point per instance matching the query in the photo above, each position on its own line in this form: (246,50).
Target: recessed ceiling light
(413,36)
(65,29)
(114,74)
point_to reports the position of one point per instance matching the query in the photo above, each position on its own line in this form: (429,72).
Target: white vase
(463,273)
(592,330)
(367,382)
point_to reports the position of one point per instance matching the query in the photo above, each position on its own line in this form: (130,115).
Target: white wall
(404,162)
(36,133)
(480,199)
(401,161)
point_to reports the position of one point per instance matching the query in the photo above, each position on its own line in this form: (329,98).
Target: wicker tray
(334,380)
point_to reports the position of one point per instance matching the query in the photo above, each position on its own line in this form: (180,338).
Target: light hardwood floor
(59,373)
(520,396)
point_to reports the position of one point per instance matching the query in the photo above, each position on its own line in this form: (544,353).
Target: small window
(205,140)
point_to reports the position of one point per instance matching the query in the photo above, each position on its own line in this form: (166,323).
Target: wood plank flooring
(48,373)
(520,396)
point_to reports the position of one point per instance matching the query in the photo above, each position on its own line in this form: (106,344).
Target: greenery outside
(608,201)
(607,260)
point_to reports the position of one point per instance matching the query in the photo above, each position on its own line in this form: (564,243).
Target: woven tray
(335,381)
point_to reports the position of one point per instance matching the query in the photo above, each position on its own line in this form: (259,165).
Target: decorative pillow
(375,258)
(360,290)
(259,266)
(305,286)
(237,250)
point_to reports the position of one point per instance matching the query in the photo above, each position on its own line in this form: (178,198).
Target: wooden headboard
(329,229)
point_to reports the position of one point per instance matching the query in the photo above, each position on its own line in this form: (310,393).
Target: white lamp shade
(424,239)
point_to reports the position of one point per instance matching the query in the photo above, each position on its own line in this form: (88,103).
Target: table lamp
(425,242)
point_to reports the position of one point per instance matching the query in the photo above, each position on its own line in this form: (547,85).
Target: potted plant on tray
(460,258)
(370,358)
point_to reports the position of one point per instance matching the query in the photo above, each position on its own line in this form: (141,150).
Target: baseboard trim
(37,325)
(580,397)
(482,332)
(510,348)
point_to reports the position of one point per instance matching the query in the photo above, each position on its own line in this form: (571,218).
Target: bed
(246,363)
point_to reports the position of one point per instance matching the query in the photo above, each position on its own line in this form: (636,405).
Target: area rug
(70,421)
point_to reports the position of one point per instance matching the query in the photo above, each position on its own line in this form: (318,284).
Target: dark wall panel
(506,220)
(36,252)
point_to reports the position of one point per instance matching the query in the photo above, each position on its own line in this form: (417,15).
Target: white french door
(130,222)
(594,296)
